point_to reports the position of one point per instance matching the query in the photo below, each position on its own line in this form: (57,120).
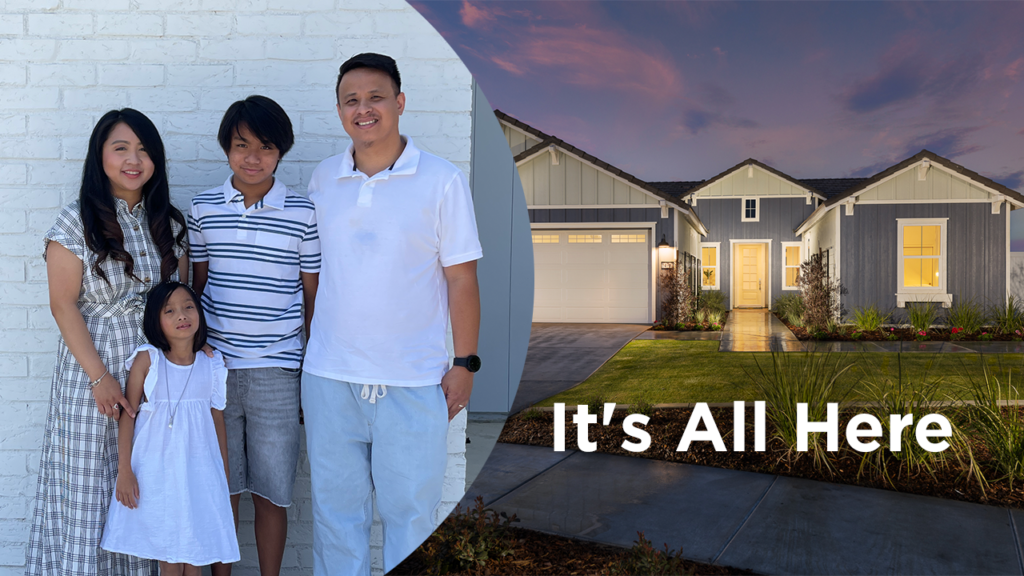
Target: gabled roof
(931,156)
(862,184)
(763,166)
(547,140)
(676,189)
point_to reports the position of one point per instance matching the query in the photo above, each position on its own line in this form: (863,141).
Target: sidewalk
(766,523)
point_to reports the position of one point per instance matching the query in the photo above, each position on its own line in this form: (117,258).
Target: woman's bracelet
(97,381)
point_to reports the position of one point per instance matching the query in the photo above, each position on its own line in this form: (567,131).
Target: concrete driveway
(561,356)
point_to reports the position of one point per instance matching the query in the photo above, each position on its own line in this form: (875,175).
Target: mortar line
(524,482)
(1016,540)
(744,522)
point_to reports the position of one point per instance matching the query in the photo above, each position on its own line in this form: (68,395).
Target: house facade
(925,229)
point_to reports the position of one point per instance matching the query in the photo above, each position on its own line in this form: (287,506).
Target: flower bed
(694,326)
(905,334)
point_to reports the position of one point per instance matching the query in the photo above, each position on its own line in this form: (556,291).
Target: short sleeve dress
(184,509)
(78,468)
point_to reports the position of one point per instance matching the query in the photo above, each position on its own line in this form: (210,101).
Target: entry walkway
(765,523)
(756,330)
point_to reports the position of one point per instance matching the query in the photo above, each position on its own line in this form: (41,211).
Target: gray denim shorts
(262,423)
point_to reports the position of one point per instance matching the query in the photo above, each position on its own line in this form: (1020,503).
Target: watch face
(473,363)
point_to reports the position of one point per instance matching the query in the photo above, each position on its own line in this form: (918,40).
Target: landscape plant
(1008,317)
(792,378)
(672,287)
(790,307)
(640,403)
(467,540)
(922,315)
(822,295)
(903,394)
(713,300)
(967,315)
(997,422)
(644,558)
(870,318)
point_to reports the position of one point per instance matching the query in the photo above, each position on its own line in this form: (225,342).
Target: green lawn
(667,371)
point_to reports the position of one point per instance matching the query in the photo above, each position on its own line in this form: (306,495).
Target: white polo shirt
(253,294)
(382,307)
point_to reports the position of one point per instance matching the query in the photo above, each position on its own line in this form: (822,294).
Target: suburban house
(596,231)
(925,229)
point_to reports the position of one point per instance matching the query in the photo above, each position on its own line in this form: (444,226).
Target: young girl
(172,491)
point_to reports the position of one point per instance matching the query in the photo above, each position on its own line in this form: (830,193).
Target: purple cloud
(1013,180)
(696,120)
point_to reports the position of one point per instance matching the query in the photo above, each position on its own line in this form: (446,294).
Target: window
(709,265)
(750,210)
(584,238)
(545,238)
(791,260)
(921,269)
(628,238)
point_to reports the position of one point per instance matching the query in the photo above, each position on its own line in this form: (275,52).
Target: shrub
(673,286)
(689,300)
(531,414)
(467,540)
(922,315)
(595,404)
(888,395)
(807,377)
(1001,431)
(644,558)
(790,307)
(640,403)
(822,296)
(715,317)
(869,319)
(1010,316)
(713,300)
(966,315)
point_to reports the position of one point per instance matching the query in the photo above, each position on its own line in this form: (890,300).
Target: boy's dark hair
(154,307)
(264,118)
(385,64)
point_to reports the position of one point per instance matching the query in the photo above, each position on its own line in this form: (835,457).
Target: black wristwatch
(471,362)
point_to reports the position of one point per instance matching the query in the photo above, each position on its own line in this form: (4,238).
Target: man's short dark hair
(385,64)
(264,118)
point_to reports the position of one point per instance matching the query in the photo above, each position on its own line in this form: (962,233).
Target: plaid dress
(78,469)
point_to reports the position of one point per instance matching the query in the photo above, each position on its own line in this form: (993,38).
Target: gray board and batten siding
(777,219)
(505,273)
(975,259)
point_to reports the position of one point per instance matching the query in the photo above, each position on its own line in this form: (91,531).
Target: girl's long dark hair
(103,234)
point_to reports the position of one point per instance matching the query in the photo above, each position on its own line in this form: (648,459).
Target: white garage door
(592,276)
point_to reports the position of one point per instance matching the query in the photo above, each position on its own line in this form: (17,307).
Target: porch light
(666,253)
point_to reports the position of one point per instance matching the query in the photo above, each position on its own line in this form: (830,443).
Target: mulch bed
(542,554)
(666,427)
(845,334)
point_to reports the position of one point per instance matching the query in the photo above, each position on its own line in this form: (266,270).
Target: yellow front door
(748,275)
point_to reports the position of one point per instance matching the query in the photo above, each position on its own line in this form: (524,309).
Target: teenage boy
(256,259)
(400,247)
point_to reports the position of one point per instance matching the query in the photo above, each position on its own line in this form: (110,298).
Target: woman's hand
(208,350)
(127,491)
(109,399)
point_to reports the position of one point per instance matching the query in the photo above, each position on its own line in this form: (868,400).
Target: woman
(104,254)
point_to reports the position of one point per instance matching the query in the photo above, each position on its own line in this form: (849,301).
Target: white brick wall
(63,63)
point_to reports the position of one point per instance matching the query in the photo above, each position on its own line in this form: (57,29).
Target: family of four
(171,398)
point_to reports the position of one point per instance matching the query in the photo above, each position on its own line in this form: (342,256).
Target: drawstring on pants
(373,391)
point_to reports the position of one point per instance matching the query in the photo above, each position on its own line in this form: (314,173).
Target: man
(399,246)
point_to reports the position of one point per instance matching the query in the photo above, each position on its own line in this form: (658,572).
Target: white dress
(184,510)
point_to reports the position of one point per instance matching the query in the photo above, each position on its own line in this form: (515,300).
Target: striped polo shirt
(253,295)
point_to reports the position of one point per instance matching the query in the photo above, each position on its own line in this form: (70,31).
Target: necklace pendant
(170,423)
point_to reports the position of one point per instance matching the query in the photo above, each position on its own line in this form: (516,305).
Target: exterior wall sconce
(666,254)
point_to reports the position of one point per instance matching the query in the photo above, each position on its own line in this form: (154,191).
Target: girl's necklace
(167,387)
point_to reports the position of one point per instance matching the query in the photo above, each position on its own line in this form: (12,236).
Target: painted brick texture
(63,63)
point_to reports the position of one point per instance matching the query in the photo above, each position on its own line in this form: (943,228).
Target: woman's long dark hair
(103,234)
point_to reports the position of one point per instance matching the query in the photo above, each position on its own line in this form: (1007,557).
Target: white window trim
(800,258)
(718,265)
(743,209)
(905,294)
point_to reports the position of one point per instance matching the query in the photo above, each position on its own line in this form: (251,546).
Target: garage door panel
(582,276)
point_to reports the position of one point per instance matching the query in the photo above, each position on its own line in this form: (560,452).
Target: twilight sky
(685,90)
